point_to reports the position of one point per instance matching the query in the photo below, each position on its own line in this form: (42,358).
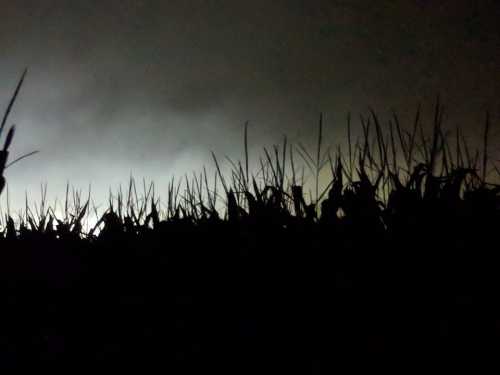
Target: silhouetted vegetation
(244,273)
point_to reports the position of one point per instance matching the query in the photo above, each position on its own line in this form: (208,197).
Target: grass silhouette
(243,272)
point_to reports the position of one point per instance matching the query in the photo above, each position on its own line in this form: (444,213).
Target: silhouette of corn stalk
(4,153)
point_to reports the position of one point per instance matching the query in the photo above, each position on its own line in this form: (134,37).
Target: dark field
(394,260)
(247,294)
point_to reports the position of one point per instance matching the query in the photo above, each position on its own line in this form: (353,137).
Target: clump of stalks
(385,171)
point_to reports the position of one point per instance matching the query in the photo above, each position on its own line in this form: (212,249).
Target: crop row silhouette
(243,272)
(376,180)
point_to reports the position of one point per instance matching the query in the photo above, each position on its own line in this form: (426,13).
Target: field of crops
(243,272)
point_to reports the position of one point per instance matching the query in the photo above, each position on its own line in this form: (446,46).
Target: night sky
(151,87)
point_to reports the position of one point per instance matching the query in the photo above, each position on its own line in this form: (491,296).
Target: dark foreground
(250,296)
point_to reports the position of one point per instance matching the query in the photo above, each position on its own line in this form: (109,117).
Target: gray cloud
(151,87)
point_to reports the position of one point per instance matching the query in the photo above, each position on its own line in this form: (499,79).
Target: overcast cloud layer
(150,87)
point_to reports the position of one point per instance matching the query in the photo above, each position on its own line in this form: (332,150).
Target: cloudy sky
(151,87)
